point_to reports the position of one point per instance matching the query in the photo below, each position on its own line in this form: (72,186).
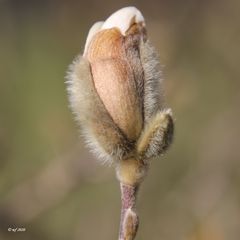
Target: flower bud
(114,56)
(115,93)
(130,225)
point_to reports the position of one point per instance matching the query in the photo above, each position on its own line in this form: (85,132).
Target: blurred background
(54,189)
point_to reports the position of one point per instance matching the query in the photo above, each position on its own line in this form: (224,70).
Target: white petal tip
(93,30)
(123,19)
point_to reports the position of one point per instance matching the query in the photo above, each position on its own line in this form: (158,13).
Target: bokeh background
(55,189)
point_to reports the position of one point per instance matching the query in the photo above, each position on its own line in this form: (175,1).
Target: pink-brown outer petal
(114,80)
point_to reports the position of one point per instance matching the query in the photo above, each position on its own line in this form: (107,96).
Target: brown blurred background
(55,189)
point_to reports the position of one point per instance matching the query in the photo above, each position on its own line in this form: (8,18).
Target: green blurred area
(52,186)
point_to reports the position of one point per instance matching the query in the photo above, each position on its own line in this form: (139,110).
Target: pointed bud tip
(123,19)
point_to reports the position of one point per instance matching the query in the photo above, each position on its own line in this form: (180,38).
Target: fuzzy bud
(115,93)
(130,225)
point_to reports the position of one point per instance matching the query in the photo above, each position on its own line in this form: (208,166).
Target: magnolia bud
(115,93)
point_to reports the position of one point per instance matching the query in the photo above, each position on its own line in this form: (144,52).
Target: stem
(129,219)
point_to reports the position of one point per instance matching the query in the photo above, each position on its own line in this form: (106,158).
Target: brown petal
(118,75)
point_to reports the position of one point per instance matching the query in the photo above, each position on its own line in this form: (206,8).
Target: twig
(129,219)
